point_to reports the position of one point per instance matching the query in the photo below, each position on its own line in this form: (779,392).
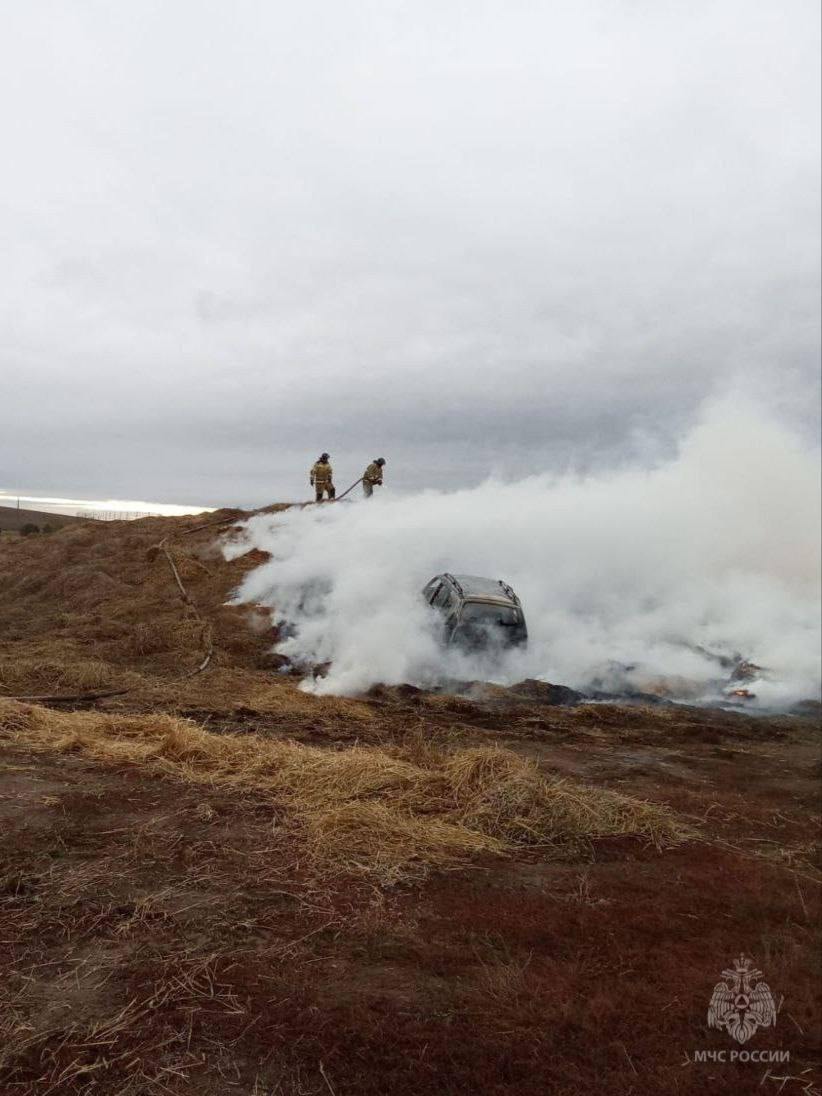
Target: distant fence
(116,515)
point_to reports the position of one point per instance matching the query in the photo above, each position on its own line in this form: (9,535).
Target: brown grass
(388,813)
(98,608)
(55,673)
(149,637)
(187,911)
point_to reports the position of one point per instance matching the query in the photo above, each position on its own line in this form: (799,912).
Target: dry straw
(387,813)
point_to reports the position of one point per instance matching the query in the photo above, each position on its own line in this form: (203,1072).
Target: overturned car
(477,613)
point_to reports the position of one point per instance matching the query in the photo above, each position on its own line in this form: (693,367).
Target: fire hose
(339,498)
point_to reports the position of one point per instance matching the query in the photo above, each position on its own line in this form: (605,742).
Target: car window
(442,597)
(475,612)
(429,590)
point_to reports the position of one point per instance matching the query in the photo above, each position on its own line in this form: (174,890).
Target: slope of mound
(13,519)
(213,882)
(95,607)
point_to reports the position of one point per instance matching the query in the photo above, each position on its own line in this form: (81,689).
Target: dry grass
(55,673)
(150,637)
(93,594)
(497,792)
(386,813)
(379,838)
(271,696)
(98,608)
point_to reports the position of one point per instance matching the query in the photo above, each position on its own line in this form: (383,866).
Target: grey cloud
(480,238)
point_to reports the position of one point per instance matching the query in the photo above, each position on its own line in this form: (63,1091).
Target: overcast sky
(472,236)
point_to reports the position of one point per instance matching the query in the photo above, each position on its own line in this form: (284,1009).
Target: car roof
(476,586)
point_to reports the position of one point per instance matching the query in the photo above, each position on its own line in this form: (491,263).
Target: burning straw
(387,813)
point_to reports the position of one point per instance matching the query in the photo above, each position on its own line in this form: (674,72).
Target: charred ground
(173,919)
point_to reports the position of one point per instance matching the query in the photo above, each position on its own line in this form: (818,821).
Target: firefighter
(372,476)
(321,478)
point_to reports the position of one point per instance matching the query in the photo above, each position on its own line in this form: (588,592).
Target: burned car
(477,612)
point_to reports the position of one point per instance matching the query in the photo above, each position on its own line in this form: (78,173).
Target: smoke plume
(643,578)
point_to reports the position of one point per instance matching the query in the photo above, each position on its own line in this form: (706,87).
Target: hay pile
(388,813)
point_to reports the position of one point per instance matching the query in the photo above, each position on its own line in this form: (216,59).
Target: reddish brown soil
(156,937)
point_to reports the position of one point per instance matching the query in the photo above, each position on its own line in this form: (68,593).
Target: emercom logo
(769,1056)
(740,1004)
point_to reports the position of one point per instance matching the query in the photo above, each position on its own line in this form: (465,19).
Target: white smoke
(717,549)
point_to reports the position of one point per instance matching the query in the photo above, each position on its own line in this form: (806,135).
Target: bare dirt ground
(192,901)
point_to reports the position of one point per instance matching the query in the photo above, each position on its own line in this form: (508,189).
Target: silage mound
(388,813)
(142,637)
